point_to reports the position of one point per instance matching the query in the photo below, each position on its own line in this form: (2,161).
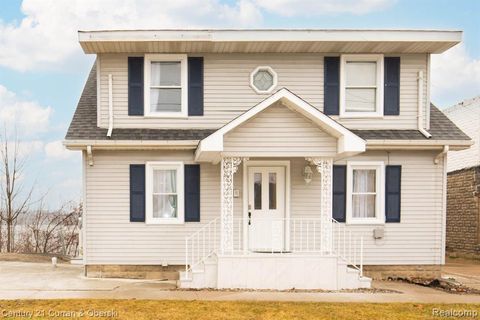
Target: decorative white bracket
(229,167)
(90,156)
(325,167)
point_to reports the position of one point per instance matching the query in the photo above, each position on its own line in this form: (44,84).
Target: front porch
(275,229)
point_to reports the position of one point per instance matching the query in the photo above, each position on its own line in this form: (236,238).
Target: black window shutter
(137,193)
(391,94)
(192,192)
(195,86)
(331,85)
(135,86)
(339,193)
(393,177)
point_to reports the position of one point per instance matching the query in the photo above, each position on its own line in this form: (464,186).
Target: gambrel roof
(84,126)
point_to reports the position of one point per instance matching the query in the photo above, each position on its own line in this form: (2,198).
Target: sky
(43,69)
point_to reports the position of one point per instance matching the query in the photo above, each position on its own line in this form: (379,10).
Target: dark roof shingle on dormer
(84,125)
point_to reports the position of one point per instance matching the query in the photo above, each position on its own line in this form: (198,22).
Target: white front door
(266,208)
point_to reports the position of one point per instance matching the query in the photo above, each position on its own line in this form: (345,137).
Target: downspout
(420,107)
(444,206)
(443,155)
(110,106)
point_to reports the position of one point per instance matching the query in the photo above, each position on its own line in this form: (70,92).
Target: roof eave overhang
(303,40)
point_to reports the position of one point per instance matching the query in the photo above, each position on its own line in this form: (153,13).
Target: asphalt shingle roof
(441,128)
(84,122)
(84,125)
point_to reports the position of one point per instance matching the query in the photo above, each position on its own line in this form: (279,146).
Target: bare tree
(73,229)
(14,198)
(55,231)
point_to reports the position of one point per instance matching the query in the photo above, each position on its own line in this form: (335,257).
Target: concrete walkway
(464,271)
(20,280)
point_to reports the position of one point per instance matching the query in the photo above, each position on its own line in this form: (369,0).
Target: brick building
(463,185)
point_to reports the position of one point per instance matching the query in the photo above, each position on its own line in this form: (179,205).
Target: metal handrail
(347,245)
(201,244)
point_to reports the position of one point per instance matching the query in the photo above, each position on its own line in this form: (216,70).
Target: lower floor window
(364,192)
(165,197)
(164,192)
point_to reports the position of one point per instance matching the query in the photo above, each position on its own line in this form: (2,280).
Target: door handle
(249,218)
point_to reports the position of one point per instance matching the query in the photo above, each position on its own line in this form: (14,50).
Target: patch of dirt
(446,285)
(33,257)
(371,290)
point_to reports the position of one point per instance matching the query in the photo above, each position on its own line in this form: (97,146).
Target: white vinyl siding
(279,131)
(110,236)
(228,92)
(417,239)
(112,239)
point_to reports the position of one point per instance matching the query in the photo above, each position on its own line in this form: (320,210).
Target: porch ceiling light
(307,174)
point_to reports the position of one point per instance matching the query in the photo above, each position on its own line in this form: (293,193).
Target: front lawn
(208,310)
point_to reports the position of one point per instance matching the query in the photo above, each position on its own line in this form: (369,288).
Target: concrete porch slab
(20,280)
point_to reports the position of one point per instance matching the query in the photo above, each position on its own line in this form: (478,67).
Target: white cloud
(455,76)
(47,36)
(291,8)
(56,150)
(27,148)
(24,148)
(26,117)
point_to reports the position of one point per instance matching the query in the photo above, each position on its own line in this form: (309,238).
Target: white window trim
(163,165)
(379,166)
(182,58)
(378,58)
(272,72)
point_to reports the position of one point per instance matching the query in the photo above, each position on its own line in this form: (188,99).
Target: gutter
(420,107)
(418,144)
(131,144)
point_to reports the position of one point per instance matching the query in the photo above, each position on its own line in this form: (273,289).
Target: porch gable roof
(210,148)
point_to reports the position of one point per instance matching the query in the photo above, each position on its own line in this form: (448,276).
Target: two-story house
(263,158)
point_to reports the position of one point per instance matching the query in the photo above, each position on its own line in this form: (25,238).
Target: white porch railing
(280,236)
(347,245)
(201,244)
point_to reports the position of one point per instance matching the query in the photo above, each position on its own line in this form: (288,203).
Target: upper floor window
(263,79)
(361,86)
(166,85)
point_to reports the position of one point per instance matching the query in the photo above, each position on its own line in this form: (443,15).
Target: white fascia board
(262,35)
(131,144)
(351,144)
(418,144)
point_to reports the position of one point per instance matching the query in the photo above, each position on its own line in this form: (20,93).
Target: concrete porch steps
(202,276)
(280,272)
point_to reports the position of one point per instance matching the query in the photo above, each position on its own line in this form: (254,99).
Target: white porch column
(325,167)
(228,169)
